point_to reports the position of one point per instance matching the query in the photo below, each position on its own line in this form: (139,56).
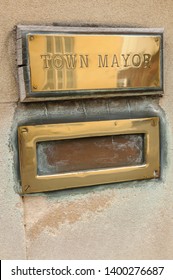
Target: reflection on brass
(31,136)
(71,62)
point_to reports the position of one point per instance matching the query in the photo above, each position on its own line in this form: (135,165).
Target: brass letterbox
(72,155)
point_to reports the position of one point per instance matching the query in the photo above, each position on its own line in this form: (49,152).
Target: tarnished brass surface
(29,136)
(73,62)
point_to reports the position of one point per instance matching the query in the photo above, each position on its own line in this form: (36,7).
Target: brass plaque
(47,166)
(93,62)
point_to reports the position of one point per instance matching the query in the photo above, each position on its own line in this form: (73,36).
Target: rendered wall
(132,220)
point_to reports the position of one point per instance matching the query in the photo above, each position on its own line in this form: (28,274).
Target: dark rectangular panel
(55,157)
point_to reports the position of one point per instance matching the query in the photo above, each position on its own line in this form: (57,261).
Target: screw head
(156,173)
(156,83)
(157,40)
(24,130)
(153,123)
(31,38)
(26,187)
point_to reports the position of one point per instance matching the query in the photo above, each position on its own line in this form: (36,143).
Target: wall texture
(122,221)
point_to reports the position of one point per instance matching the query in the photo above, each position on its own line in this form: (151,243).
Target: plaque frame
(29,136)
(28,95)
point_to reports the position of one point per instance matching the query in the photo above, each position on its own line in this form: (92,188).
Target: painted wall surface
(132,220)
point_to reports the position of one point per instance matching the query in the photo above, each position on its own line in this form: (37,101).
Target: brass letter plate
(71,155)
(67,63)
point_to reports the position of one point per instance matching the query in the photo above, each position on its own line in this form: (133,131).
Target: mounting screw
(156,174)
(24,130)
(34,87)
(31,38)
(157,40)
(115,123)
(26,187)
(156,83)
(153,122)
